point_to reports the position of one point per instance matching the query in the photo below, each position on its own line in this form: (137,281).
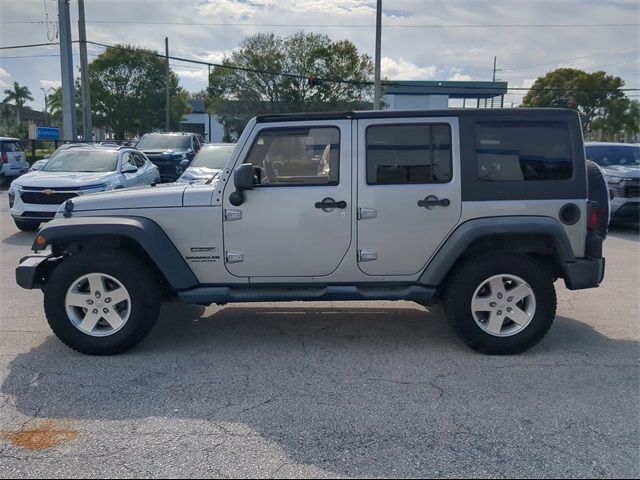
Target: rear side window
(523,151)
(10,147)
(408,153)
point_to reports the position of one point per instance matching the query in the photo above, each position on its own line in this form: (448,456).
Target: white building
(199,121)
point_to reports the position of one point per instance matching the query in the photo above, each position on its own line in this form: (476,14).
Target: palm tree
(19,95)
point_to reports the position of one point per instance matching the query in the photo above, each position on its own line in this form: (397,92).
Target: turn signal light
(41,241)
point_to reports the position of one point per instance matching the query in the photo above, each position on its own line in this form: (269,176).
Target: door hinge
(234,257)
(367,255)
(231,215)
(366,213)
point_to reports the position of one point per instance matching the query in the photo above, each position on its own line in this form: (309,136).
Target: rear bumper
(584,273)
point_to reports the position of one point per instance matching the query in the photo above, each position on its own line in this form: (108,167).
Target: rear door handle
(328,204)
(432,201)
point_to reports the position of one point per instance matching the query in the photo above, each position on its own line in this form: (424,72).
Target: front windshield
(606,155)
(73,160)
(171,142)
(213,157)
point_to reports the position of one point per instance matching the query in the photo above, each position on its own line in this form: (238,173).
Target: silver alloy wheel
(98,305)
(503,305)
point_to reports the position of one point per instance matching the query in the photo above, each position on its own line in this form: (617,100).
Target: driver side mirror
(244,178)
(128,168)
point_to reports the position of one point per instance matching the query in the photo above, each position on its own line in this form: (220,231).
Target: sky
(421,39)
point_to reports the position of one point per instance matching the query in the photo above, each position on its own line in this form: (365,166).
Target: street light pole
(376,94)
(46,109)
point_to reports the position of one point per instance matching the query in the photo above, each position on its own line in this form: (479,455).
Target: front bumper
(34,269)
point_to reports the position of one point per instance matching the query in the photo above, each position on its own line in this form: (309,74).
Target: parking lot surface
(342,389)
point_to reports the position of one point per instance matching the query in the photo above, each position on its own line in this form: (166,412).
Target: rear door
(409,193)
(297,221)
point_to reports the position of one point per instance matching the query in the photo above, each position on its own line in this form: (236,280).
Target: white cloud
(459,77)
(200,74)
(4,77)
(404,70)
(50,84)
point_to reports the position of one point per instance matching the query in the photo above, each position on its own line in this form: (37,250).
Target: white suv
(36,196)
(14,160)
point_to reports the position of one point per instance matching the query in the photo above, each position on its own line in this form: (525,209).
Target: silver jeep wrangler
(482,210)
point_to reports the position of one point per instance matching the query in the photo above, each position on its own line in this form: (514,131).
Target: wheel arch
(138,235)
(540,237)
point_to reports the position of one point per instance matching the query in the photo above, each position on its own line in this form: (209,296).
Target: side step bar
(208,295)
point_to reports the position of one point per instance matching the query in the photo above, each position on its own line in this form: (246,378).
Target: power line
(352,82)
(322,25)
(634,47)
(11,47)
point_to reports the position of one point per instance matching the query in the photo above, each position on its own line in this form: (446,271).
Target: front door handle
(328,204)
(432,201)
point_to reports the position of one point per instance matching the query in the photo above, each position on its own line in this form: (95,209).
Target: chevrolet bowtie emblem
(48,191)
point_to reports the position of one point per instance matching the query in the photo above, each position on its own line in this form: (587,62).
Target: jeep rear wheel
(101,303)
(501,304)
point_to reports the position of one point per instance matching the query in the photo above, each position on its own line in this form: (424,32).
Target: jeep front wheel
(101,303)
(501,304)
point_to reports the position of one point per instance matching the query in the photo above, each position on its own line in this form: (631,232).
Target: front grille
(39,198)
(632,191)
(48,215)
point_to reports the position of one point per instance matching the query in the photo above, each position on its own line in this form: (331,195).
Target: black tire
(134,275)
(470,275)
(598,192)
(26,225)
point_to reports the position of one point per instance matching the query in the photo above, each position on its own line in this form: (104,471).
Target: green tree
(597,96)
(128,92)
(237,95)
(19,96)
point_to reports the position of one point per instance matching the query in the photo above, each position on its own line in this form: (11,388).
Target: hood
(165,195)
(627,171)
(63,179)
(198,173)
(164,151)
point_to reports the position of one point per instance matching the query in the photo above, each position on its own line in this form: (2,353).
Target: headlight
(613,180)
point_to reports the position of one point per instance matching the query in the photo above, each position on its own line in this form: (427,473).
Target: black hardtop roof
(450,112)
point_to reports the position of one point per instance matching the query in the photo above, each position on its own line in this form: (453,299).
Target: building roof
(453,89)
(197,105)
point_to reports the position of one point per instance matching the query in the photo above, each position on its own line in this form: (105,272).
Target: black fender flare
(148,234)
(473,230)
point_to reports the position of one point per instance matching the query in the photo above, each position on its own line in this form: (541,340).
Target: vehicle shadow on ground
(21,239)
(626,231)
(357,391)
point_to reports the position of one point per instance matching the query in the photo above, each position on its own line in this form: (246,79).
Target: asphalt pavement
(344,389)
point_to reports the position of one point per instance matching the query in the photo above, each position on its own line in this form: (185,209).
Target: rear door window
(523,151)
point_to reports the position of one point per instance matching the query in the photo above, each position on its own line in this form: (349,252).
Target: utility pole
(376,94)
(208,113)
(167,126)
(46,104)
(84,72)
(495,59)
(66,66)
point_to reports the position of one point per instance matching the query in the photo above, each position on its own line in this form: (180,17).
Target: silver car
(209,161)
(36,196)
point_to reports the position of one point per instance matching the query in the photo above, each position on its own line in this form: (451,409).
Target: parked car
(13,158)
(479,209)
(168,151)
(209,161)
(620,163)
(37,165)
(35,197)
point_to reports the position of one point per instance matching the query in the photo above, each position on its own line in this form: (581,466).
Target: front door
(297,220)
(408,192)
